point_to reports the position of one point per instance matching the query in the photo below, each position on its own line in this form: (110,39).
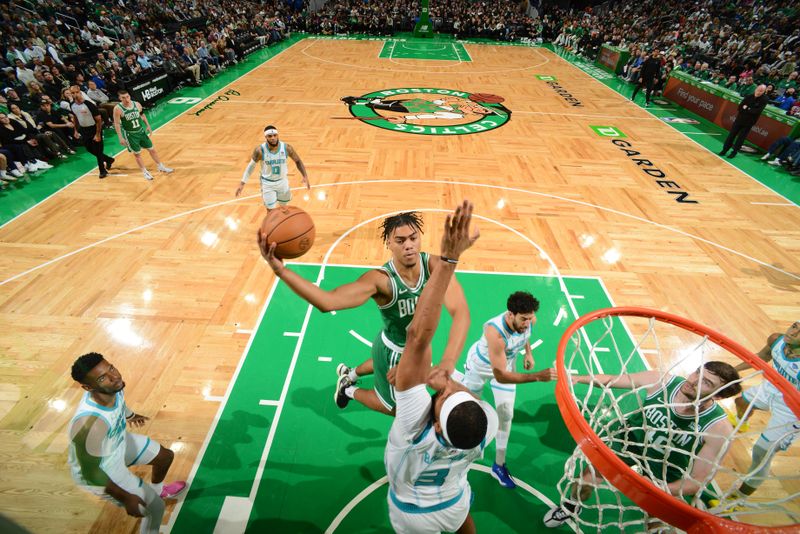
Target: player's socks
(353,376)
(500,457)
(350,391)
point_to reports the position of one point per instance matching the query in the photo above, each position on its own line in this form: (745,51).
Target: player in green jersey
(133,130)
(678,436)
(395,288)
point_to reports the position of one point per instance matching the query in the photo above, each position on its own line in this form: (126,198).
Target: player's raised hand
(457,238)
(268,252)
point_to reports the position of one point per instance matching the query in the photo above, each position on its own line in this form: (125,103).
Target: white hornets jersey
(113,451)
(514,341)
(274,166)
(788,369)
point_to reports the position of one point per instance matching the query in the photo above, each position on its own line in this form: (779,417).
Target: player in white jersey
(493,359)
(273,156)
(783,426)
(101,450)
(433,440)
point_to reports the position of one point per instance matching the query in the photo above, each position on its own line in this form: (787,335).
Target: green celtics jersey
(131,120)
(662,437)
(397,314)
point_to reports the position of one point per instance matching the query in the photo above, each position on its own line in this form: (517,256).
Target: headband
(449,405)
(271,131)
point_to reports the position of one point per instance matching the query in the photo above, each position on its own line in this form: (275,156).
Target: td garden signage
(429,111)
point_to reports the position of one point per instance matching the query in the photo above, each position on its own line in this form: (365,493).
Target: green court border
(279,291)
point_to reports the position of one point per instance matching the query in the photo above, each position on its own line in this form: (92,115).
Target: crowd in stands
(48,46)
(734,45)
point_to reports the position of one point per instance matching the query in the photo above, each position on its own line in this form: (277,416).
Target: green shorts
(137,141)
(383,359)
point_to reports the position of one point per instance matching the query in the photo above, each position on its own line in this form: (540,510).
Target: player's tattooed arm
(254,158)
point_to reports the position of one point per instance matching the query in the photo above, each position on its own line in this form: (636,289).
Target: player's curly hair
(729,376)
(84,364)
(407,218)
(467,425)
(522,302)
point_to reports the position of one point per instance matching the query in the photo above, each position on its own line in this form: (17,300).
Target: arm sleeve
(413,414)
(248,171)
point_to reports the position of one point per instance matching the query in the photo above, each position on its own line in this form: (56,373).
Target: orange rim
(639,489)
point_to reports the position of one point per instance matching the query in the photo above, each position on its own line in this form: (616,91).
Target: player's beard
(271,145)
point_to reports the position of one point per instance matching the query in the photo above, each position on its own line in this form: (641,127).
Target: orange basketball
(291,228)
(486,98)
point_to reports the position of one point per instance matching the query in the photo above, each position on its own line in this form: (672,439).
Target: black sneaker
(732,155)
(109,163)
(103,174)
(339,396)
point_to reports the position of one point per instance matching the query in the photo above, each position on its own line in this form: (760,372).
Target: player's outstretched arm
(416,360)
(343,297)
(498,358)
(765,353)
(254,159)
(627,381)
(456,305)
(118,125)
(300,166)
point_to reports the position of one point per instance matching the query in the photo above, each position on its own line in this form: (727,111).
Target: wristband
(448,260)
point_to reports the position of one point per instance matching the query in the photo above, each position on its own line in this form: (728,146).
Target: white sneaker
(147,175)
(31,167)
(165,169)
(43,164)
(766,156)
(557,516)
(775,162)
(15,172)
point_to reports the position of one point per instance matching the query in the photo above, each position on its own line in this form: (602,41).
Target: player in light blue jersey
(492,359)
(274,155)
(101,449)
(433,440)
(783,427)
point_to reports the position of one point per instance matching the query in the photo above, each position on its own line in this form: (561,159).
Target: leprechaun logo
(428,111)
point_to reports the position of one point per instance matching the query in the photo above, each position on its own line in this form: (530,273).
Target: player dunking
(133,130)
(395,288)
(101,449)
(493,359)
(274,169)
(433,440)
(677,437)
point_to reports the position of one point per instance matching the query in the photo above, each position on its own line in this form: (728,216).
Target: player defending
(678,437)
(493,359)
(101,449)
(784,352)
(274,169)
(395,288)
(133,130)
(433,440)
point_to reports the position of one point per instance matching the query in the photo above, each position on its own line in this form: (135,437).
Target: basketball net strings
(607,411)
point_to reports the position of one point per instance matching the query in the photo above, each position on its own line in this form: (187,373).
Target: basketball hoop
(584,416)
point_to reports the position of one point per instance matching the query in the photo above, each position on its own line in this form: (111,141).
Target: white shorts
(477,373)
(277,191)
(415,520)
(783,426)
(139,450)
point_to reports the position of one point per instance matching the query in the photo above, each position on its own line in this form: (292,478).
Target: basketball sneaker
(558,515)
(343,370)
(163,168)
(500,472)
(172,490)
(147,175)
(733,419)
(340,397)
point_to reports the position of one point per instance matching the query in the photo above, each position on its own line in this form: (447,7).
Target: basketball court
(582,198)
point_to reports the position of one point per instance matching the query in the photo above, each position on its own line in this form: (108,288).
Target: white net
(659,424)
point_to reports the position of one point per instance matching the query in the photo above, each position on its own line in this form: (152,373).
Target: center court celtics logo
(429,111)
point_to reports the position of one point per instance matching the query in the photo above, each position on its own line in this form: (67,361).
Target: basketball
(291,228)
(486,98)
